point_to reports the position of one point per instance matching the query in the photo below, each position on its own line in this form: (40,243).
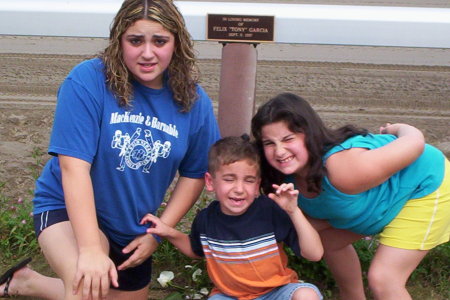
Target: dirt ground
(368,92)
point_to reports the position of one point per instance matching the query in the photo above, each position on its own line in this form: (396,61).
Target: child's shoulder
(264,200)
(202,216)
(264,204)
(213,206)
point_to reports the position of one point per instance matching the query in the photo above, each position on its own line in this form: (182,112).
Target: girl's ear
(209,182)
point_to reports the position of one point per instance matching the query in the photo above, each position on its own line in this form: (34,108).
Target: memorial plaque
(238,28)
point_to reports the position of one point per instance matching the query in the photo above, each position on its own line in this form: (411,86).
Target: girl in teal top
(370,211)
(354,184)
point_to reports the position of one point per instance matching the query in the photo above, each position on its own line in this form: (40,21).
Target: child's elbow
(313,255)
(316,257)
(421,146)
(417,142)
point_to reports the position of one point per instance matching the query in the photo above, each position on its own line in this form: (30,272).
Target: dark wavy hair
(183,71)
(299,116)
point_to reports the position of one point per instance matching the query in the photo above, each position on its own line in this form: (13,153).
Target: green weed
(38,156)
(190,279)
(432,274)
(17,238)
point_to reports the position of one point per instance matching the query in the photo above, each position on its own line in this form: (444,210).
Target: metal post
(237,88)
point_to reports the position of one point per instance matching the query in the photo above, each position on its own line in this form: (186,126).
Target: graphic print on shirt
(136,152)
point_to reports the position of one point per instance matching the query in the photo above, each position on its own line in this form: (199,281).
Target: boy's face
(236,185)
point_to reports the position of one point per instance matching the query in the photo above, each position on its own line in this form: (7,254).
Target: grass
(430,281)
(17,237)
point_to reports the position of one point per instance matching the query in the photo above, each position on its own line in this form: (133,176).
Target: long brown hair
(182,71)
(299,116)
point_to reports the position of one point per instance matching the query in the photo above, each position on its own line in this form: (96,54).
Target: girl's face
(284,150)
(147,51)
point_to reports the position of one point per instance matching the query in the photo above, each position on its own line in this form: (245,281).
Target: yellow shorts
(423,223)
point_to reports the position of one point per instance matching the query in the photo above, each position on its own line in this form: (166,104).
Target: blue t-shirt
(134,152)
(370,211)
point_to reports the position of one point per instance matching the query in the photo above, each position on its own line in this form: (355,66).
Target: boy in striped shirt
(241,234)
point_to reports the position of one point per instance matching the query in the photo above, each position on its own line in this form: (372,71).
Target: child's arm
(177,238)
(308,239)
(357,170)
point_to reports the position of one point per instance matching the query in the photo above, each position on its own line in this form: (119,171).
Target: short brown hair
(231,149)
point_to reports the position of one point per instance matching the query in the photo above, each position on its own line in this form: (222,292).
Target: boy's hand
(180,240)
(285,196)
(158,227)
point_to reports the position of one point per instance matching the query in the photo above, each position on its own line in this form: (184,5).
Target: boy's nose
(239,187)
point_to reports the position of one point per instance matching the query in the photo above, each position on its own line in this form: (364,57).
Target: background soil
(359,85)
(367,86)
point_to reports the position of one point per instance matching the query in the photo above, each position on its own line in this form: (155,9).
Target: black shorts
(131,279)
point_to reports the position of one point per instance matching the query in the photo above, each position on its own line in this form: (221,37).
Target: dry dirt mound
(365,94)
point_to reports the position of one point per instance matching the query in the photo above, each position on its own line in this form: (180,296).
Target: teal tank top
(370,211)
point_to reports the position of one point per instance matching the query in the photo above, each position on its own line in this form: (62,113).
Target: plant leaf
(174,296)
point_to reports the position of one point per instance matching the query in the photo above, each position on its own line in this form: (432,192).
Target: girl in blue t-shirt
(125,124)
(353,184)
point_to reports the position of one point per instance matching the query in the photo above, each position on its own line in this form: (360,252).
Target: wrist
(294,212)
(90,248)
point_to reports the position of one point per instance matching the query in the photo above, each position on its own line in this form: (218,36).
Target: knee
(305,294)
(379,279)
(374,278)
(67,274)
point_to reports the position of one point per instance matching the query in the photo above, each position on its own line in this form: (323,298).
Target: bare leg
(27,282)
(305,294)
(346,269)
(63,260)
(59,246)
(61,251)
(342,259)
(141,294)
(390,270)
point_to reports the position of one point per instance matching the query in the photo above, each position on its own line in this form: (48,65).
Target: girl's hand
(143,246)
(95,270)
(384,129)
(400,129)
(285,196)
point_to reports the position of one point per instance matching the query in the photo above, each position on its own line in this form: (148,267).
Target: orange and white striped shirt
(244,254)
